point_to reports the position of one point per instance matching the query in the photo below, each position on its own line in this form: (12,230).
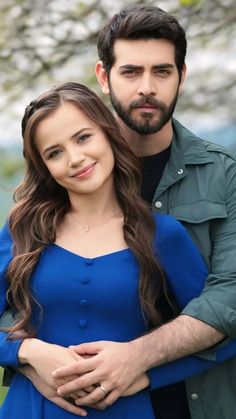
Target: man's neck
(147,145)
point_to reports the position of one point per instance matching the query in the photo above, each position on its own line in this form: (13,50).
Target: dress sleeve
(8,348)
(186,273)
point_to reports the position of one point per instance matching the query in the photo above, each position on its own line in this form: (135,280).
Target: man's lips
(148,103)
(85,171)
(147,106)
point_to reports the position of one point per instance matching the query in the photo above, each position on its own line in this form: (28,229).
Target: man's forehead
(142,51)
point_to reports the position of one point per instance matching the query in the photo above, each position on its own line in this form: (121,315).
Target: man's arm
(217,303)
(117,365)
(183,336)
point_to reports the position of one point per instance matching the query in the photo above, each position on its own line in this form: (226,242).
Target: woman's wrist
(25,350)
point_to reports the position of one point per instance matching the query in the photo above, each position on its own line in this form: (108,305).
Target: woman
(79,271)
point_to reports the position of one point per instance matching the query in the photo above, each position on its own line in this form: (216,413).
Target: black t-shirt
(169,402)
(152,170)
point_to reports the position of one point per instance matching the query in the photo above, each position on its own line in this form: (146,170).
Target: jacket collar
(191,148)
(186,149)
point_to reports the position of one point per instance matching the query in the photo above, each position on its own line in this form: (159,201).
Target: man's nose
(147,86)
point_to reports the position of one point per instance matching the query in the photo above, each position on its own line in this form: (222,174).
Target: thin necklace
(88,227)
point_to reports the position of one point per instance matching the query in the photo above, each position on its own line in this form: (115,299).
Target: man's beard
(147,125)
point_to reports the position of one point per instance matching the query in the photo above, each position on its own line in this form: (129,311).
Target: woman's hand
(41,359)
(45,358)
(141,382)
(49,392)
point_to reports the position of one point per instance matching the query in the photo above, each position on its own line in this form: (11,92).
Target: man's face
(144,83)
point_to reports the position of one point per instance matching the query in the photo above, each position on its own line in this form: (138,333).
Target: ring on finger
(101,387)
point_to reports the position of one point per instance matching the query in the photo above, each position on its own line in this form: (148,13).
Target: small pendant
(86,229)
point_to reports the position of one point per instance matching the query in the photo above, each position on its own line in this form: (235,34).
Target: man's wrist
(142,350)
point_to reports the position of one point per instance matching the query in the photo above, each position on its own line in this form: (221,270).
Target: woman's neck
(94,208)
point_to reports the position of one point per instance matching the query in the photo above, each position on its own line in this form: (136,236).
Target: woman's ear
(102,77)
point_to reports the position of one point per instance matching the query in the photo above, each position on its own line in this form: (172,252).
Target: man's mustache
(148,100)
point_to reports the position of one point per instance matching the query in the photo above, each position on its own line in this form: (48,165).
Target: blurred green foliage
(3,390)
(11,172)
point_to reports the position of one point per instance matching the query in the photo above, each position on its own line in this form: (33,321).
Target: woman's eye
(82,138)
(54,153)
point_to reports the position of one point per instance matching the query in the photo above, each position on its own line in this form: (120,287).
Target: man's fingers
(87,348)
(79,384)
(79,394)
(112,397)
(89,389)
(68,406)
(97,399)
(96,396)
(78,368)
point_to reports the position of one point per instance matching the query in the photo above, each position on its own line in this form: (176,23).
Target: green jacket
(198,187)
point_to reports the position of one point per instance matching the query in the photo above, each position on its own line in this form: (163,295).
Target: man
(142,68)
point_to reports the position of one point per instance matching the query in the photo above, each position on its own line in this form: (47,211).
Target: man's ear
(102,77)
(183,76)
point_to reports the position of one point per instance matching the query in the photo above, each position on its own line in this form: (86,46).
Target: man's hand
(141,383)
(114,366)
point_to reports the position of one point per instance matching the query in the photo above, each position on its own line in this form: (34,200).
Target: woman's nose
(75,158)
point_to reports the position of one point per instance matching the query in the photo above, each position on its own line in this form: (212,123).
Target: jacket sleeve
(8,348)
(217,303)
(186,273)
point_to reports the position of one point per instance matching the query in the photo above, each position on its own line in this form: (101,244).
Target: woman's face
(75,150)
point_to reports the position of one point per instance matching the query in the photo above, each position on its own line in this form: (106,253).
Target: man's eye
(129,72)
(163,72)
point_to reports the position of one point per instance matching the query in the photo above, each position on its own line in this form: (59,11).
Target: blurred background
(45,42)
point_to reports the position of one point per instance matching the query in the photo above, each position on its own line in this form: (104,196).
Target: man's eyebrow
(140,67)
(130,67)
(164,66)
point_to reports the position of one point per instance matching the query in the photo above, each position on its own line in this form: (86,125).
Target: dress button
(83,323)
(88,261)
(194,396)
(83,303)
(180,172)
(158,204)
(84,280)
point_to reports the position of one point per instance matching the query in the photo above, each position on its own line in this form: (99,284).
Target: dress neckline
(115,253)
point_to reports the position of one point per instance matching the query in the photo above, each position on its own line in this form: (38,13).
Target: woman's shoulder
(5,234)
(5,259)
(167,227)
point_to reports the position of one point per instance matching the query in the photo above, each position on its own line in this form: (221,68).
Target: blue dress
(91,299)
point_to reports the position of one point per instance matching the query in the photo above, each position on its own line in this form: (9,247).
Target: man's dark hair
(146,22)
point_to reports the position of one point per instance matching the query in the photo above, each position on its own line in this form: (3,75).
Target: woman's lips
(85,172)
